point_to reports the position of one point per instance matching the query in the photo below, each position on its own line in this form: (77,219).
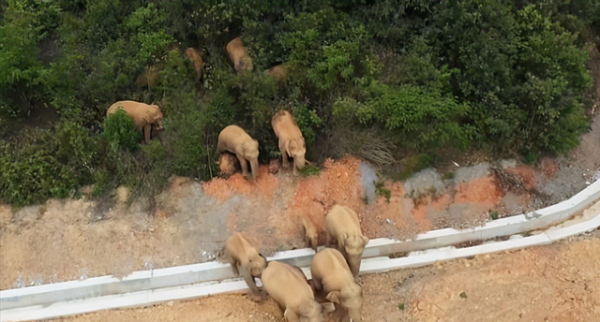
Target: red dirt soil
(527,174)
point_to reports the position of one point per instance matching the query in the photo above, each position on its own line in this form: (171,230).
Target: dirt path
(559,282)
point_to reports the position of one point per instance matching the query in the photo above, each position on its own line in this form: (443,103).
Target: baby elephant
(342,224)
(144,116)
(288,286)
(195,57)
(331,273)
(235,140)
(311,236)
(228,164)
(239,56)
(245,259)
(278,73)
(291,141)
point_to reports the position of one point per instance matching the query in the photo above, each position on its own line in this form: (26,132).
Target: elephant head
(257,265)
(310,233)
(296,149)
(155,117)
(350,297)
(250,150)
(354,247)
(310,311)
(246,64)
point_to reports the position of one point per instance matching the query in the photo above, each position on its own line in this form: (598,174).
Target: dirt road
(560,282)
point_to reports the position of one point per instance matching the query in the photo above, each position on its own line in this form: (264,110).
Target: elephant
(274,166)
(155,134)
(330,272)
(238,54)
(310,233)
(144,116)
(278,72)
(235,140)
(151,72)
(195,57)
(288,286)
(341,224)
(150,76)
(291,141)
(245,260)
(228,164)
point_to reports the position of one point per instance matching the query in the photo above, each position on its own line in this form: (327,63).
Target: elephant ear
(148,118)
(344,237)
(154,114)
(287,147)
(290,315)
(365,239)
(328,307)
(246,147)
(334,297)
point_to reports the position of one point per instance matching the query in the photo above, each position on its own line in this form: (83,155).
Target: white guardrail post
(191,281)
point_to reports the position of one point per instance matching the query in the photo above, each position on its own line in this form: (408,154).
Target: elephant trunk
(159,125)
(299,162)
(355,314)
(354,262)
(254,167)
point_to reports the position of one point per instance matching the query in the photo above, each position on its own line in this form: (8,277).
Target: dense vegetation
(379,79)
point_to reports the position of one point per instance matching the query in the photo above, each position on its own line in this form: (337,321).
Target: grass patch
(309,170)
(381,190)
(494,214)
(449,175)
(412,164)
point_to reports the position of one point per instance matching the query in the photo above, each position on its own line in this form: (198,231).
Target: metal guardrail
(191,281)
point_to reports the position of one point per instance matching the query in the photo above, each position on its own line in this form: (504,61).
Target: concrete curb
(190,281)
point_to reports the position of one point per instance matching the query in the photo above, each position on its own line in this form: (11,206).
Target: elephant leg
(285,159)
(147,129)
(290,315)
(244,165)
(234,266)
(327,239)
(317,284)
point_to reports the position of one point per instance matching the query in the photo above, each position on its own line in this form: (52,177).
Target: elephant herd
(237,54)
(235,140)
(234,144)
(333,270)
(232,139)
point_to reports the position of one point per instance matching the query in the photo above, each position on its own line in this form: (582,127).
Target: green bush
(20,66)
(48,163)
(517,87)
(120,132)
(419,119)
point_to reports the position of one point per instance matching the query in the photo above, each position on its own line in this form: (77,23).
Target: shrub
(417,118)
(120,132)
(34,177)
(523,95)
(20,67)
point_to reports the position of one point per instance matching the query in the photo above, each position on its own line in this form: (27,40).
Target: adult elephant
(237,141)
(145,117)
